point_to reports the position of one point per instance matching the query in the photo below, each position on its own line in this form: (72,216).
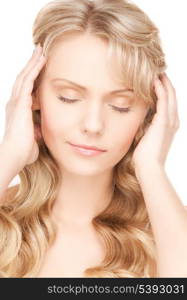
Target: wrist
(148,169)
(7,155)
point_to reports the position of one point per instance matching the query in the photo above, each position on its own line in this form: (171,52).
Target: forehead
(83,56)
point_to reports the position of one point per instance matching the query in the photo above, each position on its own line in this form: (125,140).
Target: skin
(91,120)
(162,201)
(160,134)
(86,185)
(94,117)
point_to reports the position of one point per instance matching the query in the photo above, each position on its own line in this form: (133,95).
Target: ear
(35,102)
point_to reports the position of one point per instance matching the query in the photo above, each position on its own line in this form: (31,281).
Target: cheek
(129,128)
(126,136)
(53,124)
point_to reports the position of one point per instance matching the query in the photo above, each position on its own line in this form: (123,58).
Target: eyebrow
(83,88)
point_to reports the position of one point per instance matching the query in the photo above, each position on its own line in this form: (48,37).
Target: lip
(93,148)
(85,151)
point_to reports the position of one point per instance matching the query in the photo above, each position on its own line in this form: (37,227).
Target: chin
(82,169)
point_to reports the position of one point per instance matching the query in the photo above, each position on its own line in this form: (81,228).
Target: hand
(154,145)
(20,134)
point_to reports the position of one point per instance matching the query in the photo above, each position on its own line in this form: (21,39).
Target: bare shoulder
(185,207)
(10,193)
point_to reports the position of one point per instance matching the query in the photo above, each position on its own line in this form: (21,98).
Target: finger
(28,82)
(28,68)
(172,99)
(33,60)
(162,101)
(31,63)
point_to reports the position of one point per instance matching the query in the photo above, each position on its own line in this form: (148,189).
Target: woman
(81,212)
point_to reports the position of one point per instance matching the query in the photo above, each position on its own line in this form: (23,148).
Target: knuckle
(177,125)
(11,103)
(173,89)
(21,74)
(26,81)
(25,77)
(7,105)
(18,77)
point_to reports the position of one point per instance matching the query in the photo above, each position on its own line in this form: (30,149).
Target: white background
(16,19)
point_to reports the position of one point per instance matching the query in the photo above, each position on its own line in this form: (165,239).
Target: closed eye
(119,109)
(67,100)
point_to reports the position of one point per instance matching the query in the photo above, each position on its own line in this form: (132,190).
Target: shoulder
(185,207)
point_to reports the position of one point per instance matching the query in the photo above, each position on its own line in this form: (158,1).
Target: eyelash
(118,109)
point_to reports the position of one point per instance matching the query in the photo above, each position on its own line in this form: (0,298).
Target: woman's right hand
(19,136)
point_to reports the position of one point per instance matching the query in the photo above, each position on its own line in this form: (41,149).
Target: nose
(93,120)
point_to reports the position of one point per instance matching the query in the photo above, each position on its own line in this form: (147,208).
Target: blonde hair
(27,230)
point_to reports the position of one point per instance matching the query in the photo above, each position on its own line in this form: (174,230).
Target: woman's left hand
(154,145)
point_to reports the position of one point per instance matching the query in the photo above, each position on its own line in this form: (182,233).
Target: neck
(81,198)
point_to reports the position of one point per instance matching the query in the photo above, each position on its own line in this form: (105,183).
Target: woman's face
(93,119)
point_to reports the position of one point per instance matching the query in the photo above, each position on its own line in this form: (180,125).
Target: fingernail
(41,57)
(37,48)
(163,75)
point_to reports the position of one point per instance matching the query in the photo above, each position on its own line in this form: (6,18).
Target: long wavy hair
(26,226)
